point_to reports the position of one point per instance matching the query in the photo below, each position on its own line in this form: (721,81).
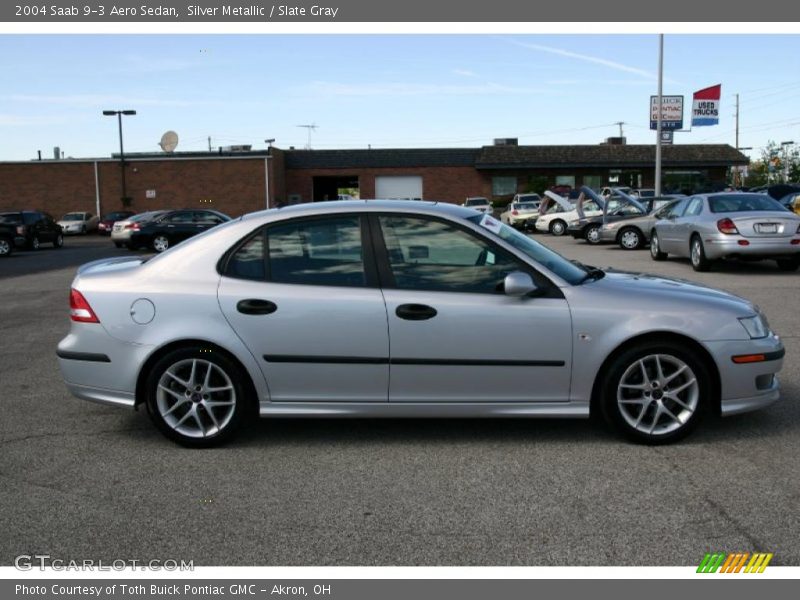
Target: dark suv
(28,229)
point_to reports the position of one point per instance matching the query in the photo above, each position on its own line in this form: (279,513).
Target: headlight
(756,327)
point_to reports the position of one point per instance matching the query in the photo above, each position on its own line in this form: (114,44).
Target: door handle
(415,312)
(254,306)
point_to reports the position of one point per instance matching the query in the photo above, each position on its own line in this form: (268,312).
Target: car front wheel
(558,227)
(196,396)
(593,235)
(656,393)
(35,243)
(160,243)
(655,248)
(59,241)
(630,239)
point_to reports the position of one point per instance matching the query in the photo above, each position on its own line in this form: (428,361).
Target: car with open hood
(628,221)
(557,212)
(404,309)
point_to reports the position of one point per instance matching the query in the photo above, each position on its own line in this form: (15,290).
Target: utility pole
(620,123)
(209,143)
(737,121)
(659,111)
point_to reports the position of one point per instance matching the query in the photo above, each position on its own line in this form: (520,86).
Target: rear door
(178,226)
(667,228)
(303,296)
(455,336)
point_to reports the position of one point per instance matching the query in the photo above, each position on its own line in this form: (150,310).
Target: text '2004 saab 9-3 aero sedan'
(398,309)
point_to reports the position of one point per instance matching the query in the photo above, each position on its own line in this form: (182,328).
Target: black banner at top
(346,11)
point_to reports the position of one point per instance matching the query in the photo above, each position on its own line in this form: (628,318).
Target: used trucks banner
(705,108)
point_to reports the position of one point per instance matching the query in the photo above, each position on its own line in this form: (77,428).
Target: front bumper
(720,246)
(749,386)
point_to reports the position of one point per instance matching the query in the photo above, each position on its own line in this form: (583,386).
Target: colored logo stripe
(734,562)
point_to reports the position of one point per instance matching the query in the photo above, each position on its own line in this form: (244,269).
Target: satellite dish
(169,141)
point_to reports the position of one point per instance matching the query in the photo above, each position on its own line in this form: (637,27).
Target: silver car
(709,227)
(398,309)
(632,231)
(78,223)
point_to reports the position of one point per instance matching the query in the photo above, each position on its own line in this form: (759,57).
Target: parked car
(439,312)
(528,197)
(632,231)
(31,228)
(791,201)
(174,227)
(122,230)
(609,190)
(741,225)
(479,203)
(556,216)
(643,193)
(78,223)
(106,224)
(521,214)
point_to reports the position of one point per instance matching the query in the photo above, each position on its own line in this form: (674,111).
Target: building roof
(635,155)
(381,158)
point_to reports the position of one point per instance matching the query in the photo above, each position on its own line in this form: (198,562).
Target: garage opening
(336,187)
(398,187)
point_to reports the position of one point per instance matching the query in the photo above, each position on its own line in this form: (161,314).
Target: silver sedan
(398,309)
(729,225)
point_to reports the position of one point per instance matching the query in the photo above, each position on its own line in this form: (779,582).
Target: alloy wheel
(658,394)
(593,235)
(160,243)
(557,228)
(5,247)
(196,398)
(35,242)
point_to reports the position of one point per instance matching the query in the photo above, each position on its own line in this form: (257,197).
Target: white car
(521,214)
(480,204)
(556,213)
(78,223)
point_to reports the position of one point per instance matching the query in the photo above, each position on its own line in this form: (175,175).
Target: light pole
(736,181)
(119,113)
(785,146)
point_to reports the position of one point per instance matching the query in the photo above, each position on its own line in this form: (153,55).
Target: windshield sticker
(491,224)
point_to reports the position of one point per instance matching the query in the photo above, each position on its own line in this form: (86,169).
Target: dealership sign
(671,112)
(705,107)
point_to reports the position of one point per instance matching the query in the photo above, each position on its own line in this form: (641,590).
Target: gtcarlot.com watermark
(30,562)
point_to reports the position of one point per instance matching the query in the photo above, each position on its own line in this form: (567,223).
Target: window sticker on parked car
(491,224)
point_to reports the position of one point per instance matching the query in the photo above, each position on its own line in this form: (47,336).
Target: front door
(303,298)
(455,336)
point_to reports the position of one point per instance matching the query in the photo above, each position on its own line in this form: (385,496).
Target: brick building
(239,182)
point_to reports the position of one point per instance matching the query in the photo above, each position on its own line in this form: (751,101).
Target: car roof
(345,206)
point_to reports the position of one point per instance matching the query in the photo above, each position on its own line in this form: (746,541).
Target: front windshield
(73,217)
(552,261)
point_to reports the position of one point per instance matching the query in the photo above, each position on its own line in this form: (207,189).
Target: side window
(181,217)
(30,218)
(695,207)
(248,261)
(317,252)
(677,209)
(426,254)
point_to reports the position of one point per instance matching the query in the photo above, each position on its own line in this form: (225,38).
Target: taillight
(20,229)
(79,309)
(727,226)
(515,212)
(134,226)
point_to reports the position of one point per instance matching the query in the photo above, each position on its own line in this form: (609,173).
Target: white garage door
(402,187)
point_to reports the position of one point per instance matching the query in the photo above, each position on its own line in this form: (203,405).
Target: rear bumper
(720,246)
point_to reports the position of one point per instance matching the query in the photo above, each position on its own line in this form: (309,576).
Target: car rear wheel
(35,243)
(656,393)
(196,396)
(59,241)
(160,243)
(698,255)
(630,239)
(655,247)
(593,234)
(6,247)
(558,227)
(788,264)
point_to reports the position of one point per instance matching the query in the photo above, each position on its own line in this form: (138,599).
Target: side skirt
(399,410)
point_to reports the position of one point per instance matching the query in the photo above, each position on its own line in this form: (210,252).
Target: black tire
(168,418)
(161,243)
(697,255)
(34,243)
(83,230)
(655,250)
(788,264)
(592,234)
(630,238)
(620,405)
(58,242)
(558,227)
(6,247)
(118,244)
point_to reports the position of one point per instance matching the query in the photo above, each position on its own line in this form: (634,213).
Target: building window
(593,181)
(504,186)
(565,180)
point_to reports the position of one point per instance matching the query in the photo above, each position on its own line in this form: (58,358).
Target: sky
(384,91)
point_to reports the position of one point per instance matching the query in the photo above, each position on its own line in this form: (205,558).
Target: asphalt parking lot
(82,481)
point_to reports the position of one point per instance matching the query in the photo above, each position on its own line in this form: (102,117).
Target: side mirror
(519,284)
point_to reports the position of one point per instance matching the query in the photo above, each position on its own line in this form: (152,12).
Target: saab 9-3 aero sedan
(404,309)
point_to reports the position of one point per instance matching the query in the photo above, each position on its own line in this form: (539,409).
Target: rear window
(742,203)
(477,201)
(11,218)
(526,205)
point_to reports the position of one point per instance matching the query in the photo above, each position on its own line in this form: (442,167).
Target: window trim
(384,269)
